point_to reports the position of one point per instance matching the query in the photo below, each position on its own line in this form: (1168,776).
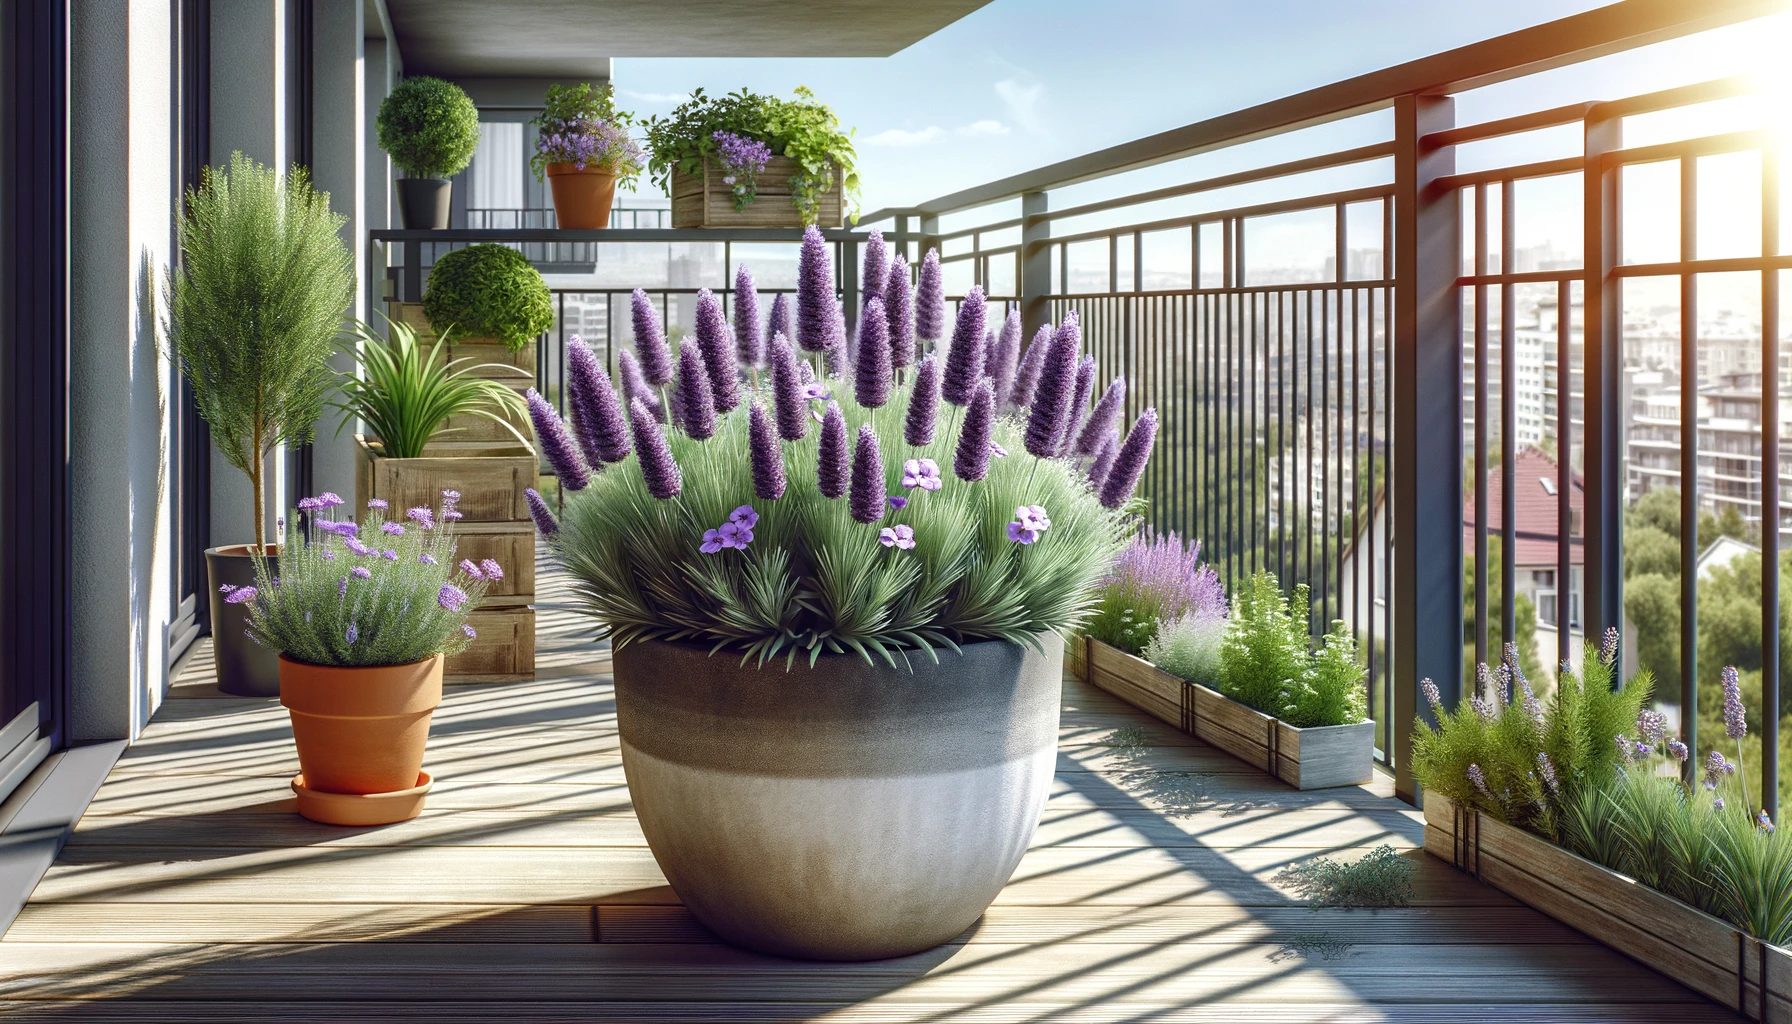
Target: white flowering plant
(384,591)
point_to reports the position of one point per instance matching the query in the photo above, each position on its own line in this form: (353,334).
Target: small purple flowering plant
(580,125)
(341,602)
(742,159)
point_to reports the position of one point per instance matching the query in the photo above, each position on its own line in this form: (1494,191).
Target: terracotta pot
(845,811)
(245,668)
(582,198)
(361,730)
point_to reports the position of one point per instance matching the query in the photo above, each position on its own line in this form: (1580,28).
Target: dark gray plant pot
(245,668)
(423,202)
(844,812)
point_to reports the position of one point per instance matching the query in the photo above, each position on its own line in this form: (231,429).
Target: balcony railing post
(1602,329)
(1035,264)
(930,235)
(1427,406)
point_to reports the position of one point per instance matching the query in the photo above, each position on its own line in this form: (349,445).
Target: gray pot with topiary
(255,306)
(429,128)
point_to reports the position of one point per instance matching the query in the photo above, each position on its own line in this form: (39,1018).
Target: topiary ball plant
(488,291)
(429,127)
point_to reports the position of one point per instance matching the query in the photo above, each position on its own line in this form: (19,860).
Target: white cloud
(669,98)
(984,127)
(903,138)
(1022,101)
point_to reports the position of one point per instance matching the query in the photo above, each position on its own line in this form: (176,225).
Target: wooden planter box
(1317,758)
(491,479)
(1704,953)
(703,201)
(487,357)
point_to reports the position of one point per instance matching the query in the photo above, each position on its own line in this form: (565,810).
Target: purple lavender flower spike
(650,340)
(1678,750)
(787,391)
(899,309)
(1735,718)
(240,595)
(1101,420)
(1004,363)
(833,470)
(1432,696)
(971,460)
(1032,364)
(550,429)
(597,415)
(833,360)
(361,572)
(490,569)
(1051,401)
(658,467)
(867,504)
(930,299)
(1479,778)
(451,597)
(871,377)
(877,266)
(717,350)
(964,360)
(1717,803)
(1608,645)
(1105,453)
(923,404)
(1651,725)
(817,318)
(749,344)
(1716,769)
(545,523)
(1129,463)
(634,383)
(1548,770)
(695,399)
(779,321)
(1079,402)
(766,454)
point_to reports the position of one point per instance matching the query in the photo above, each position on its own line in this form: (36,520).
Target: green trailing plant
(255,306)
(1382,878)
(1524,760)
(1266,662)
(801,129)
(488,291)
(429,127)
(405,393)
(385,591)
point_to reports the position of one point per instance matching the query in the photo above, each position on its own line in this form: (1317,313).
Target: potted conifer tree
(255,306)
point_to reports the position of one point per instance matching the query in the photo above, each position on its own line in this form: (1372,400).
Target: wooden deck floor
(192,892)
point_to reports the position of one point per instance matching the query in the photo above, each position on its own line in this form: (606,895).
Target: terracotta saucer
(362,808)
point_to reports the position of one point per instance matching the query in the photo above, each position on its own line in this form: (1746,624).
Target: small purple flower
(1608,647)
(466,565)
(1033,517)
(377,503)
(342,528)
(818,326)
(1717,769)
(597,420)
(712,542)
(225,588)
(1640,750)
(1651,726)
(451,597)
(735,535)
(897,502)
(361,572)
(1004,360)
(634,383)
(1079,403)
(1479,778)
(744,516)
(545,524)
(1623,746)
(329,499)
(469,631)
(450,496)
(1021,535)
(997,450)
(1678,750)
(871,374)
(240,595)
(1048,419)
(922,473)
(898,536)
(389,555)
(329,556)
(1548,769)
(1432,696)
(778,323)
(427,559)
(1485,709)
(307,504)
(450,513)
(876,268)
(395,529)
(423,516)
(1717,803)
(1102,420)
(1735,718)
(342,587)
(352,634)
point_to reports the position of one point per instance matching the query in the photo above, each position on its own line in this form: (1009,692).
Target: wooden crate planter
(504,649)
(1702,952)
(486,357)
(703,201)
(512,546)
(1316,758)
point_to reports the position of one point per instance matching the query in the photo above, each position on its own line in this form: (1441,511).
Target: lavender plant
(383,591)
(1156,579)
(845,539)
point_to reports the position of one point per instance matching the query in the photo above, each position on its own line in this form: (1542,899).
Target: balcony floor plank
(192,892)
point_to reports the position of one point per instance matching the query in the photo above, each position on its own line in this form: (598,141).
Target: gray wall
(337,141)
(122,189)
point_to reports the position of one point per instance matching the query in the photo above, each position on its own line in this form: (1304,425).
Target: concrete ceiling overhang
(576,38)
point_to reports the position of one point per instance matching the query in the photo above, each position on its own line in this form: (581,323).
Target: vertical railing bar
(1508,424)
(1689,445)
(1113,264)
(1356,452)
(1230,479)
(1479,483)
(1307,458)
(1252,446)
(1770,484)
(1564,477)
(1368,534)
(1283,414)
(1325,462)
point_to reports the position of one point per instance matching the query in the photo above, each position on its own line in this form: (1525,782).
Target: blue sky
(1021,83)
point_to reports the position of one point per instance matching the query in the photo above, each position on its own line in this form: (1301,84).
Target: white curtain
(498,166)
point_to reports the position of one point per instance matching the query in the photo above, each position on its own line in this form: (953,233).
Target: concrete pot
(845,811)
(424,202)
(245,668)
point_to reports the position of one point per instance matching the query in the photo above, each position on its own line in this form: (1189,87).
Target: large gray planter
(845,811)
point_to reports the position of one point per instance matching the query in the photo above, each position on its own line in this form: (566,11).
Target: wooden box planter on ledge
(703,201)
(1702,952)
(491,479)
(1317,758)
(518,366)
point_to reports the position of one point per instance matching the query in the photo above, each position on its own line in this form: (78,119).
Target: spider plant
(405,393)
